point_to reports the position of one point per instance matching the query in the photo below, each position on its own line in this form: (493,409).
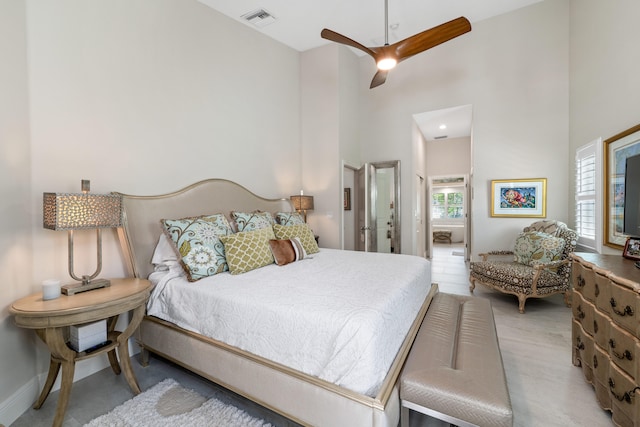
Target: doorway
(446,136)
(377,205)
(449,213)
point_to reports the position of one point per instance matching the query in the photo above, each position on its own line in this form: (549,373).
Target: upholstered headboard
(142,214)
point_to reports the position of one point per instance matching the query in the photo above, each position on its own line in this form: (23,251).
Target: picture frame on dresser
(616,151)
(632,248)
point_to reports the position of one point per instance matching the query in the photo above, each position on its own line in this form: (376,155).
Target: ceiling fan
(388,56)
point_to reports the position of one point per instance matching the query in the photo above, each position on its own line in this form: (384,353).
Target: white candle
(50,289)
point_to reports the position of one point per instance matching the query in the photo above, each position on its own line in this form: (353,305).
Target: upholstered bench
(454,371)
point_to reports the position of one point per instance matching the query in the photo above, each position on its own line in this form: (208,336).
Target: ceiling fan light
(386,64)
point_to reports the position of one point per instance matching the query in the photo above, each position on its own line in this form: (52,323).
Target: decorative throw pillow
(286,251)
(535,247)
(289,218)
(302,232)
(249,221)
(248,250)
(197,242)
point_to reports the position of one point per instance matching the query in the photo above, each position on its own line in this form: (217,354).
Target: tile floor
(546,389)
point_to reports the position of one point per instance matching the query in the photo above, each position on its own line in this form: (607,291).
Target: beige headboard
(142,214)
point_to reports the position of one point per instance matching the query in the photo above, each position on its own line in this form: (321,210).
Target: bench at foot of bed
(454,371)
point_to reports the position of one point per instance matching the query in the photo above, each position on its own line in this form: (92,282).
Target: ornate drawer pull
(628,311)
(595,326)
(626,397)
(580,281)
(581,314)
(626,355)
(597,290)
(595,362)
(579,344)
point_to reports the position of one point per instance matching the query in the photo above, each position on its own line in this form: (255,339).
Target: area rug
(168,404)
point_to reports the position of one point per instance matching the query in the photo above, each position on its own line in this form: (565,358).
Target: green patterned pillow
(289,218)
(302,232)
(535,247)
(248,250)
(197,241)
(249,221)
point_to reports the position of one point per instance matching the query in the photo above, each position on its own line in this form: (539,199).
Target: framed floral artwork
(519,198)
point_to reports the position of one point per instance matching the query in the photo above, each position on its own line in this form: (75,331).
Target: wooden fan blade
(339,38)
(431,38)
(379,78)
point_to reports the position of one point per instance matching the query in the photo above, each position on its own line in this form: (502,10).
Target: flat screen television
(632,196)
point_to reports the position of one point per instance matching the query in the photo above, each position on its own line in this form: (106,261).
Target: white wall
(140,97)
(17,356)
(604,74)
(448,157)
(513,69)
(148,97)
(330,134)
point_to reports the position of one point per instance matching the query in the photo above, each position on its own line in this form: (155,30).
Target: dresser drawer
(601,326)
(623,350)
(624,305)
(625,398)
(602,292)
(583,312)
(600,364)
(583,348)
(584,280)
(600,368)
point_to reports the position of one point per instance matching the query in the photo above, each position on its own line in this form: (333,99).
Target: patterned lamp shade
(78,211)
(302,203)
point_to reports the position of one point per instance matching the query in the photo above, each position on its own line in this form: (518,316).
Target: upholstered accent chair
(537,267)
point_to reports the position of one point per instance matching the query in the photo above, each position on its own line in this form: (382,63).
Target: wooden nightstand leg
(123,347)
(113,358)
(113,361)
(59,351)
(68,368)
(54,368)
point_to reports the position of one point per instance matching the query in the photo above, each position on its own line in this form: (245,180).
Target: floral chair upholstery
(538,266)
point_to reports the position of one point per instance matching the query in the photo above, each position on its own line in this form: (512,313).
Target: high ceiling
(298,23)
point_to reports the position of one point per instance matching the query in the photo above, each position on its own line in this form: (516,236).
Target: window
(587,210)
(447,204)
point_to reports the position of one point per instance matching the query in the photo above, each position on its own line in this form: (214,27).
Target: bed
(335,389)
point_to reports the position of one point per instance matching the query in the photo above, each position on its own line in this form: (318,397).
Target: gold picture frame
(347,199)
(616,150)
(519,198)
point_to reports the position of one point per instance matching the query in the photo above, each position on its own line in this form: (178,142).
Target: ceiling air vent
(259,18)
(441,137)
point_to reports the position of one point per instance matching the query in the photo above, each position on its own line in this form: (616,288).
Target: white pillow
(164,255)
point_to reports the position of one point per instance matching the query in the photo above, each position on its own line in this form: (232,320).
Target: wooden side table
(50,319)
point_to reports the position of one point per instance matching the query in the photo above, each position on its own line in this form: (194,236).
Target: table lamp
(302,203)
(81,211)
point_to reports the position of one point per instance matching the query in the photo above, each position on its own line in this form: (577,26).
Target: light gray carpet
(169,404)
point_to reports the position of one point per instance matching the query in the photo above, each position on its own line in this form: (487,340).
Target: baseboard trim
(19,402)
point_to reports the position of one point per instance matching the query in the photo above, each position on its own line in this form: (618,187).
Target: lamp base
(76,288)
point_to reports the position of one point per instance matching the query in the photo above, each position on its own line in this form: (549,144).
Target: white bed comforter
(340,315)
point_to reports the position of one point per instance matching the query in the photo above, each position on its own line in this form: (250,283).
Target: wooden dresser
(606,331)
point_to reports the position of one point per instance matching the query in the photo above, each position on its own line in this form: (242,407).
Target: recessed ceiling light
(443,126)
